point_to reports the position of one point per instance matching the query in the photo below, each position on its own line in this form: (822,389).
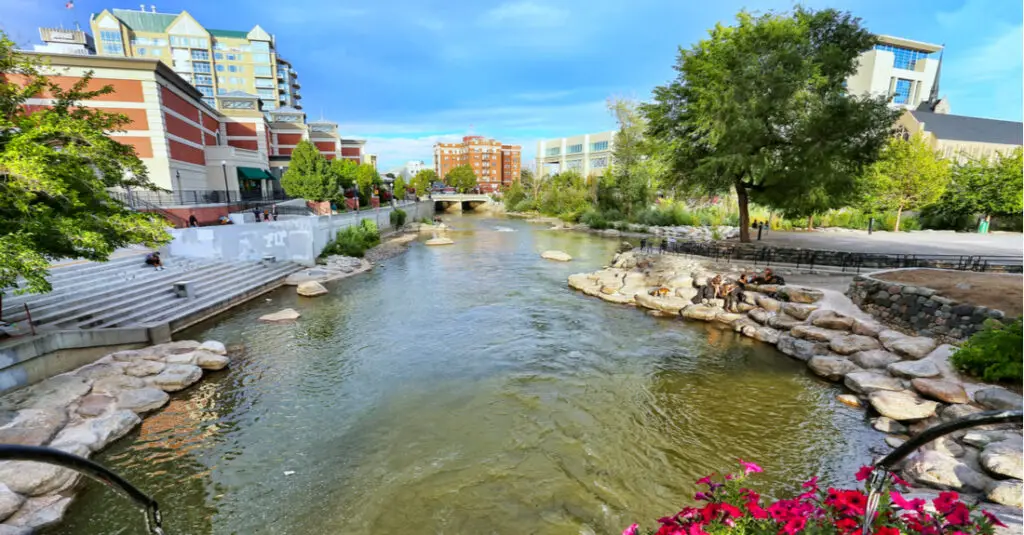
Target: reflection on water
(466,389)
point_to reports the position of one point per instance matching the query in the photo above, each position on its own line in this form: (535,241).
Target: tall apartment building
(216,62)
(588,154)
(494,163)
(61,41)
(902,69)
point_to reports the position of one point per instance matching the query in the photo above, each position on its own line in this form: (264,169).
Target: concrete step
(207,294)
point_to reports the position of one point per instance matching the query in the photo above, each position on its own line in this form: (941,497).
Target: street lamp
(177,178)
(227,191)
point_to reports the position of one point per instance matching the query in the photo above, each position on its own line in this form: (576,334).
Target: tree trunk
(810,222)
(741,198)
(899,212)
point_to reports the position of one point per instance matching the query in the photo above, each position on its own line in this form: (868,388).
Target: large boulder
(311,289)
(177,377)
(998,399)
(144,368)
(213,346)
(33,427)
(668,304)
(1007,493)
(1003,458)
(40,512)
(10,502)
(287,314)
(944,391)
(558,256)
(767,335)
(94,405)
(866,327)
(888,425)
(211,361)
(175,347)
(760,315)
(700,312)
(874,358)
(853,343)
(796,348)
(799,294)
(115,384)
(798,310)
(830,367)
(135,355)
(942,471)
(783,322)
(54,393)
(830,319)
(901,406)
(36,479)
(911,369)
(112,426)
(980,439)
(913,347)
(439,241)
(817,334)
(865,382)
(141,400)
(767,303)
(729,317)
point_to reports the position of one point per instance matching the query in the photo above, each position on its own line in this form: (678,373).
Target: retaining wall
(297,240)
(918,309)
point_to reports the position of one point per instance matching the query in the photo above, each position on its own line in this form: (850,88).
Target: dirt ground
(993,290)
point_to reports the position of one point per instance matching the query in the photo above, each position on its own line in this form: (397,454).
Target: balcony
(295,84)
(234,156)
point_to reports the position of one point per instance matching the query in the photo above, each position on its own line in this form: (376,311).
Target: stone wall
(918,309)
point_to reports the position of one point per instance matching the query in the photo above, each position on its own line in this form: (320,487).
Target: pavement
(918,242)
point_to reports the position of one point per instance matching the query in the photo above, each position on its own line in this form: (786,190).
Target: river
(467,389)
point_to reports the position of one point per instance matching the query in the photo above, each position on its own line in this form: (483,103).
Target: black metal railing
(845,260)
(195,197)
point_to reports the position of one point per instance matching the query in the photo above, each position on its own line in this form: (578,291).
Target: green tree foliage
(760,107)
(397,218)
(399,187)
(309,175)
(344,172)
(988,186)
(354,240)
(423,180)
(514,194)
(461,177)
(908,176)
(629,183)
(995,353)
(367,179)
(56,166)
(566,195)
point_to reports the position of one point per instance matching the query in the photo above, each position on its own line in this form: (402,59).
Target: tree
(367,179)
(909,175)
(309,175)
(461,177)
(400,187)
(986,186)
(344,172)
(760,108)
(57,164)
(423,181)
(635,168)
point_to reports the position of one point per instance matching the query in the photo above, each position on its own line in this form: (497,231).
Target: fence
(846,261)
(135,198)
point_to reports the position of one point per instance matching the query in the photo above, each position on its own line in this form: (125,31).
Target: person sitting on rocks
(769,278)
(708,291)
(153,259)
(732,292)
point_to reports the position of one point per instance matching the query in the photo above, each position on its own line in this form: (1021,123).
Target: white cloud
(525,14)
(986,80)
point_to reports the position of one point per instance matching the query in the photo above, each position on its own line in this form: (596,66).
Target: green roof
(229,33)
(140,21)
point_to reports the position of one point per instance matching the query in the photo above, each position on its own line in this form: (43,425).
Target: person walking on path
(643,244)
(192,220)
(662,246)
(273,212)
(256,213)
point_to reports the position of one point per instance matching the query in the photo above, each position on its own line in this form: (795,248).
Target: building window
(265,83)
(140,51)
(218,55)
(266,93)
(904,58)
(221,90)
(210,101)
(232,68)
(182,66)
(574,149)
(600,145)
(574,164)
(599,163)
(902,94)
(269,106)
(201,55)
(220,68)
(205,90)
(241,68)
(204,79)
(111,43)
(202,66)
(262,70)
(156,51)
(553,151)
(199,42)
(261,58)
(260,46)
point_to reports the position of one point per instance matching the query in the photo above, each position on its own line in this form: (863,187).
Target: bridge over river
(457,202)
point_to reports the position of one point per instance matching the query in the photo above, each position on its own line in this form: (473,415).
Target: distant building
(494,163)
(587,154)
(410,169)
(370,159)
(902,69)
(959,137)
(216,62)
(61,41)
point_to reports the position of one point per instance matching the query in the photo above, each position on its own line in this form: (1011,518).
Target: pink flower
(959,516)
(755,510)
(847,525)
(794,525)
(731,510)
(993,519)
(702,496)
(811,483)
(899,480)
(886,530)
(864,472)
(750,468)
(917,504)
(631,530)
(946,501)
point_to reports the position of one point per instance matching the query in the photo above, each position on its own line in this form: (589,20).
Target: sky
(404,74)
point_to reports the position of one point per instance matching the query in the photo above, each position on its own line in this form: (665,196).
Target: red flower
(794,525)
(959,516)
(755,510)
(864,472)
(899,480)
(886,530)
(702,496)
(731,510)
(694,529)
(706,480)
(917,504)
(946,501)
(847,525)
(779,511)
(848,501)
(811,483)
(993,519)
(750,495)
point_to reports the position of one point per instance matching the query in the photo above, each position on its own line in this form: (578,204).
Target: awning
(254,173)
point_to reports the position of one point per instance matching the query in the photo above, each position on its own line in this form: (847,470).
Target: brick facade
(495,165)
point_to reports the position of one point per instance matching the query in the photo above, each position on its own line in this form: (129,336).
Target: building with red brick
(495,164)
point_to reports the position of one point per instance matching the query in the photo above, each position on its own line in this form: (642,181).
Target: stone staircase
(125,292)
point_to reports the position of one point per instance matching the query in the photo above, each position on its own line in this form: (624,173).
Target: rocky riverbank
(83,412)
(905,382)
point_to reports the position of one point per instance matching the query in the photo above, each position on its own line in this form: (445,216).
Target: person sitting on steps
(769,278)
(732,292)
(153,259)
(708,291)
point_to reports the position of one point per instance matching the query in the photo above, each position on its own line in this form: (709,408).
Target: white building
(410,168)
(61,41)
(588,154)
(904,70)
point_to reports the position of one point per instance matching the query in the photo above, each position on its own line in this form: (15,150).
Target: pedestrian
(643,244)
(273,212)
(256,213)
(671,244)
(266,216)
(154,260)
(662,246)
(192,220)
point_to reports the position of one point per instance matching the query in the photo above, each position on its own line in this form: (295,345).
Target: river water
(467,389)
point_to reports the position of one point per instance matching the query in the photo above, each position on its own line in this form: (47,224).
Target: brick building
(496,165)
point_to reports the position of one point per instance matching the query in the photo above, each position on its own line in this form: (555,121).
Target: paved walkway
(922,242)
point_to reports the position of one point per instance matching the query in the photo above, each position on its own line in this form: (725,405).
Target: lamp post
(227,191)
(177,178)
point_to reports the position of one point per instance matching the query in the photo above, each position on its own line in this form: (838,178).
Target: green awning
(254,173)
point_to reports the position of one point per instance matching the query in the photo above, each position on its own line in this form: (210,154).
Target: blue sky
(404,74)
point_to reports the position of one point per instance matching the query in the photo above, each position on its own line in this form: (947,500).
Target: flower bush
(731,508)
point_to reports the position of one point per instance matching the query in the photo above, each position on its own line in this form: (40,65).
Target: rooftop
(144,21)
(908,43)
(977,129)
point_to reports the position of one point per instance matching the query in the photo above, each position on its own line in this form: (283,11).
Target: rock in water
(831,368)
(311,289)
(35,479)
(112,427)
(901,406)
(213,346)
(911,369)
(211,361)
(847,399)
(945,391)
(177,377)
(287,314)
(875,358)
(796,348)
(939,470)
(1003,458)
(144,368)
(830,319)
(33,427)
(863,382)
(439,241)
(142,400)
(560,256)
(853,343)
(888,425)
(40,512)
(94,405)
(10,502)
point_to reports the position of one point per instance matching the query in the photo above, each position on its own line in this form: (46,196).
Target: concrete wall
(297,240)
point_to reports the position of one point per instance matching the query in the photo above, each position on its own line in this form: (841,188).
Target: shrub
(525,205)
(594,220)
(354,240)
(397,217)
(994,353)
(732,509)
